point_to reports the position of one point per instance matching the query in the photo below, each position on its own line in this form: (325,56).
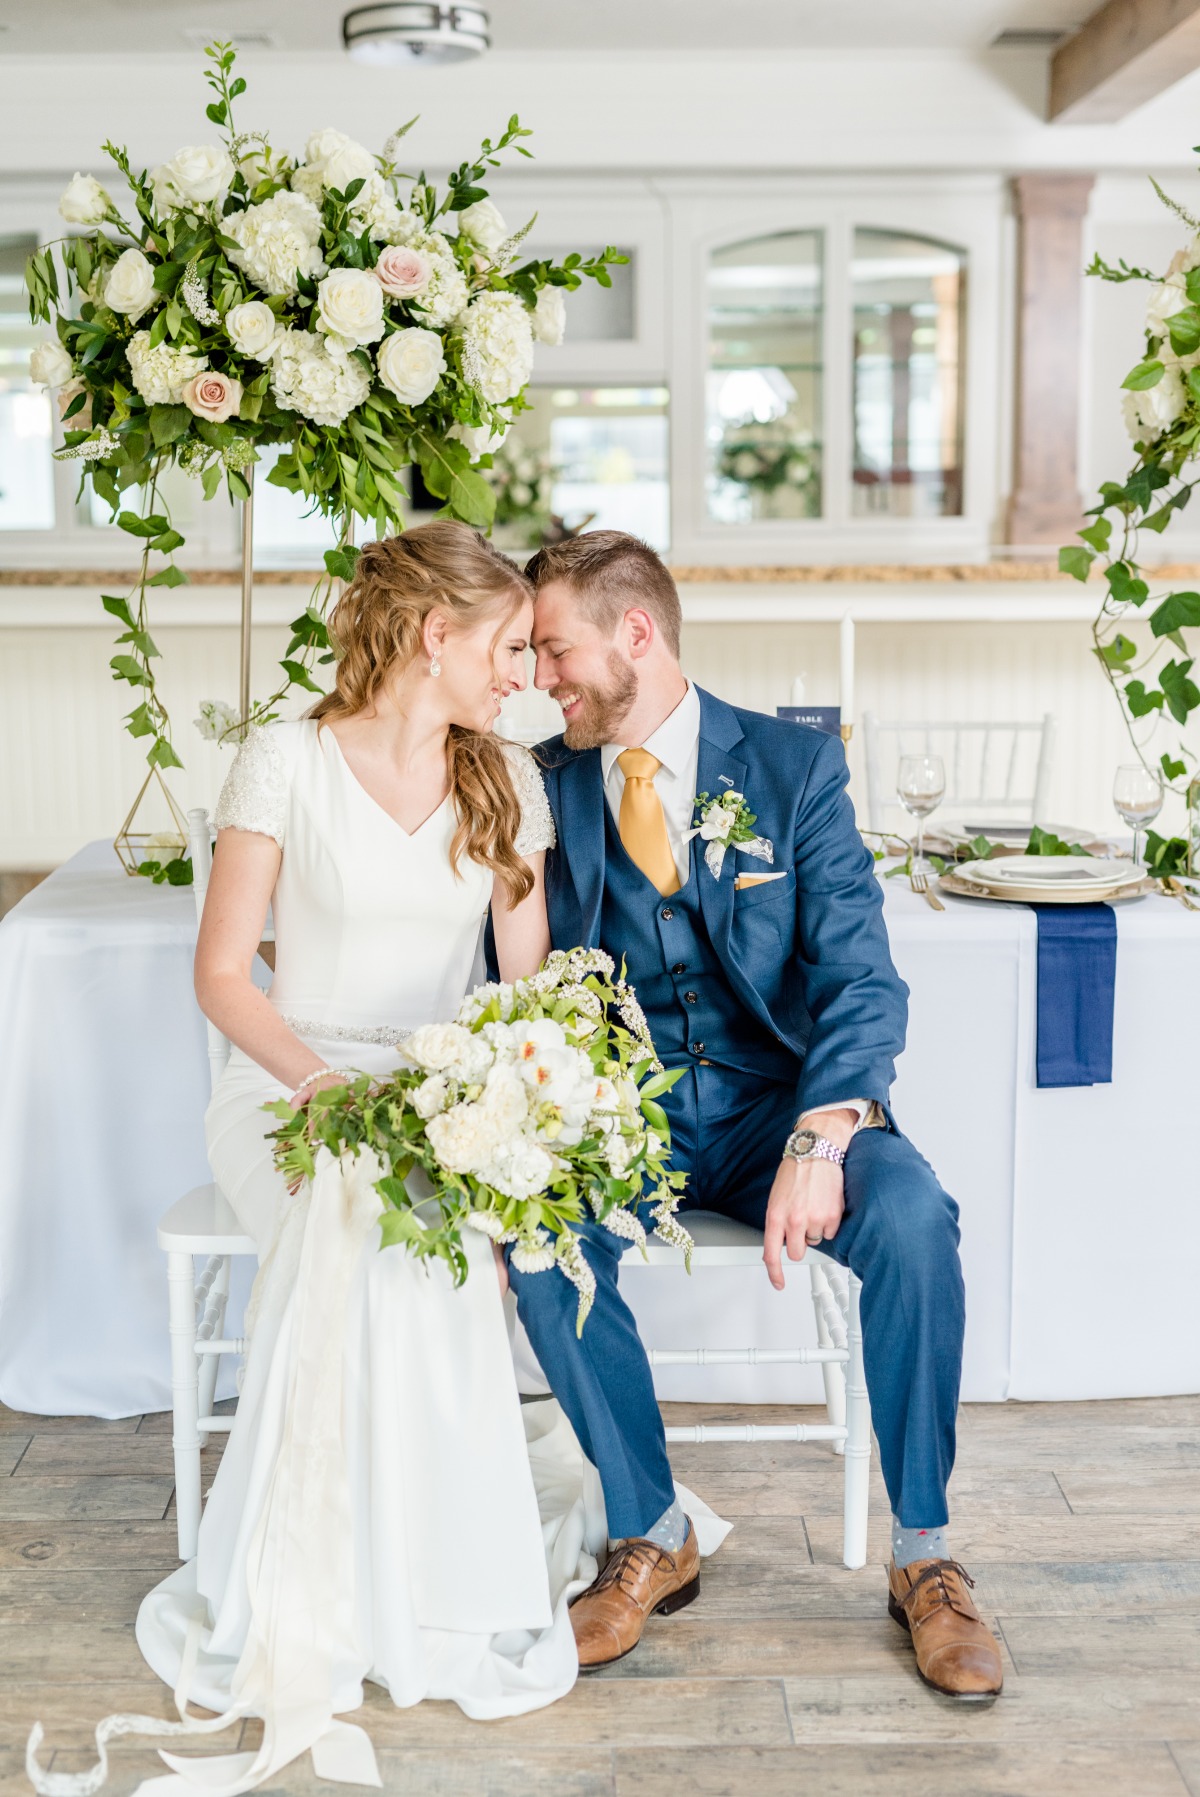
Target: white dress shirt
(676,746)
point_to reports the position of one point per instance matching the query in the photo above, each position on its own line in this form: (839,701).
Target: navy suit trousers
(899,1235)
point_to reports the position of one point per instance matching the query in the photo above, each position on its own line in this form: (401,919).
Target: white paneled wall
(70,772)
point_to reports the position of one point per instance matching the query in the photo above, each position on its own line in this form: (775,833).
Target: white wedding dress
(386,1508)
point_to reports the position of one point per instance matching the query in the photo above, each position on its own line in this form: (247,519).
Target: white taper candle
(798,690)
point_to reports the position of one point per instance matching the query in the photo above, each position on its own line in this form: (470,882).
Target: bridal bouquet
(327,304)
(535,1109)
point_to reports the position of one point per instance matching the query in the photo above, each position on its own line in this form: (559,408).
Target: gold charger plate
(1033,895)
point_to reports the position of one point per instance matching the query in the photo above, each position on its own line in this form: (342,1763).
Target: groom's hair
(609,571)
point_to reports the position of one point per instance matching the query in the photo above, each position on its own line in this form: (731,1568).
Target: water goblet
(1138,797)
(920,787)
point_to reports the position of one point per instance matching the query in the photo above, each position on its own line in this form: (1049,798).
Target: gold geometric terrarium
(155,829)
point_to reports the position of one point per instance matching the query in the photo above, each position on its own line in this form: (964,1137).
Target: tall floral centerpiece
(356,317)
(1162,414)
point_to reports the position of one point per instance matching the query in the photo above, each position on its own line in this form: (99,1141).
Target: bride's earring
(435,667)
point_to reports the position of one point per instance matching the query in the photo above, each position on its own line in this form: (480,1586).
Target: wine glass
(921,787)
(1138,797)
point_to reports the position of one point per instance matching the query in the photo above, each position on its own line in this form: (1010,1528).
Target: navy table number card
(818,717)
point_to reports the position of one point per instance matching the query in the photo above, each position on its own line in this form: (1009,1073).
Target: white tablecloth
(1080,1212)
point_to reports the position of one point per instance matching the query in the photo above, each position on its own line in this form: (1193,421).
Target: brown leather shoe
(956,1651)
(639,1580)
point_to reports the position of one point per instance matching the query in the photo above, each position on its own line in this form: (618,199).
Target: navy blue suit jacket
(807,955)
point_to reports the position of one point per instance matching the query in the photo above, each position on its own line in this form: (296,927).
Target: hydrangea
(161,373)
(277,241)
(321,384)
(439,303)
(497,346)
(216,719)
(376,209)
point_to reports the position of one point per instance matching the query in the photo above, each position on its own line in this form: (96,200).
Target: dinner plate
(1042,895)
(1010,832)
(1052,874)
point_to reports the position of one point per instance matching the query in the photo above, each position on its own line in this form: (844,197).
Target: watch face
(803,1141)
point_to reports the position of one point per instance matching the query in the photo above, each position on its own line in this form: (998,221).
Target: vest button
(689,998)
(666,914)
(697,1047)
(679,967)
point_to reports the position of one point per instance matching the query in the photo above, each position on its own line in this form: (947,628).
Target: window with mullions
(908,295)
(26,421)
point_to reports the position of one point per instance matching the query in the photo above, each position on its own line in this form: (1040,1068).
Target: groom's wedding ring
(814,1241)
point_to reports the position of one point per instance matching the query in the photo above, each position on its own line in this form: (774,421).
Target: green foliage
(177,872)
(1045,842)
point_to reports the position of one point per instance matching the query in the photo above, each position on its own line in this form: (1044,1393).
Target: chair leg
(185,1437)
(212,1328)
(858,1440)
(833,1375)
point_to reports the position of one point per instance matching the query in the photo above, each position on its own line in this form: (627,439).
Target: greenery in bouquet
(522,481)
(1161,402)
(331,306)
(533,1111)
(764,458)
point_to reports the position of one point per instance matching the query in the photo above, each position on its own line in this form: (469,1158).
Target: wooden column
(1046,506)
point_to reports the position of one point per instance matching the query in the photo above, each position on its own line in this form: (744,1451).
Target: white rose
(310,378)
(50,365)
(350,305)
(411,363)
(430,1097)
(482,225)
(1168,298)
(1155,409)
(252,328)
(480,439)
(550,316)
(338,159)
(84,202)
(497,346)
(448,1048)
(198,172)
(310,182)
(277,241)
(129,288)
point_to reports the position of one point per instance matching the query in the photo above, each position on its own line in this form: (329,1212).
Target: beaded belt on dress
(381,1037)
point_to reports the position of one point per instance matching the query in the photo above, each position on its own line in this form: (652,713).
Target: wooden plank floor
(1080,1522)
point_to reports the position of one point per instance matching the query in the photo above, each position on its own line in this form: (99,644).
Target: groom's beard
(602,709)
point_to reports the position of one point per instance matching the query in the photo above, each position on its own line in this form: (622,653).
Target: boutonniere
(724,820)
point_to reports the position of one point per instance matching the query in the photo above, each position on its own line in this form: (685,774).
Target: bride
(385,1508)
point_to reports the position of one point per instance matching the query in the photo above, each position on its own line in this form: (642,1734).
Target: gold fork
(920,883)
(1177,891)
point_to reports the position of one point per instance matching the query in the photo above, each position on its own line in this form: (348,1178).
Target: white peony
(550,316)
(350,306)
(411,363)
(198,172)
(497,346)
(277,241)
(504,1098)
(1155,409)
(431,1096)
(84,201)
(482,225)
(252,329)
(50,365)
(520,1170)
(463,1138)
(337,159)
(448,1048)
(161,374)
(129,288)
(310,378)
(480,439)
(446,294)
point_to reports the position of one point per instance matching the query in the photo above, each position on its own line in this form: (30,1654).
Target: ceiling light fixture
(405,31)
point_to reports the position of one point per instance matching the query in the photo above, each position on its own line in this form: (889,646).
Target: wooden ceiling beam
(1126,53)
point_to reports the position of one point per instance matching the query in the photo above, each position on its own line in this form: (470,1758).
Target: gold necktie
(643,825)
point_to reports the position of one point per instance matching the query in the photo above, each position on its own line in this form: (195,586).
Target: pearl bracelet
(322,1073)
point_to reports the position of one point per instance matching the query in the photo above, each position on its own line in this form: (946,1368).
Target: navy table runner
(1076,989)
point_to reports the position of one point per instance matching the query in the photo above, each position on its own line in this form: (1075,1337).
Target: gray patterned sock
(918,1544)
(671,1530)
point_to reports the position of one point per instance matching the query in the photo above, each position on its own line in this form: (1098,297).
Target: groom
(772,986)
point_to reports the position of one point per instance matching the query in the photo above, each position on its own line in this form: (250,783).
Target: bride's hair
(376,629)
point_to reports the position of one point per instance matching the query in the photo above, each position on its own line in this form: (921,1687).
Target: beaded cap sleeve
(537,823)
(255,793)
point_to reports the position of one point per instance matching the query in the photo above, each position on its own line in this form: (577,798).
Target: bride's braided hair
(376,630)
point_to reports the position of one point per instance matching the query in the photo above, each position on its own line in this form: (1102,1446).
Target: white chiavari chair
(995,772)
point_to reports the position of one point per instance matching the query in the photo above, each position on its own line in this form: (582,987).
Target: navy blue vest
(693,1012)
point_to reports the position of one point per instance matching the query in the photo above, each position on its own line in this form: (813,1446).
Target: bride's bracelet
(323,1073)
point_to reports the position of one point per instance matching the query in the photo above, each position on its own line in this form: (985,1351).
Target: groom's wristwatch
(807,1145)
